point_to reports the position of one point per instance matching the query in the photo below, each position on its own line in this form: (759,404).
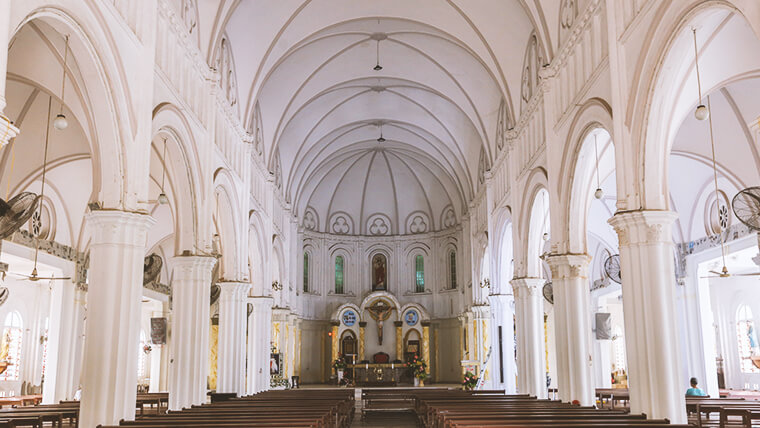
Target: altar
(377,374)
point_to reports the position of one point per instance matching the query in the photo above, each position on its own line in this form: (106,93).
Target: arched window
(452,269)
(11,347)
(746,339)
(305,272)
(339,275)
(419,274)
(142,356)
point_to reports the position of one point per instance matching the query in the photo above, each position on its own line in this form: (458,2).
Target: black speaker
(603,325)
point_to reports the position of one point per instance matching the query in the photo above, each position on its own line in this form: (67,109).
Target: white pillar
(112,331)
(190,324)
(7,131)
(232,324)
(572,327)
(259,338)
(646,263)
(531,350)
(504,370)
(60,383)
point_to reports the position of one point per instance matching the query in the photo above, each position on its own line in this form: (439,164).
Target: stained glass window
(452,269)
(419,273)
(11,347)
(746,338)
(339,275)
(305,272)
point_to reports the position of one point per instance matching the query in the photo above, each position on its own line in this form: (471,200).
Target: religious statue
(379,271)
(380,311)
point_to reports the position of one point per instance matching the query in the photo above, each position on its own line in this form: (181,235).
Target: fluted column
(191,291)
(259,347)
(112,331)
(60,383)
(362,329)
(399,340)
(426,344)
(503,353)
(232,324)
(531,357)
(572,327)
(649,311)
(335,345)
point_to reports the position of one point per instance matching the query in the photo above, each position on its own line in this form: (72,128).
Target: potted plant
(470,381)
(419,370)
(339,365)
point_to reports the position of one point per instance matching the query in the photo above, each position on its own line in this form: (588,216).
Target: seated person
(694,391)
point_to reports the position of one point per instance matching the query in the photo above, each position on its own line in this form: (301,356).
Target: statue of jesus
(380,311)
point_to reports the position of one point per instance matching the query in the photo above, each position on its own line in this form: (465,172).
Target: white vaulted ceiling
(449,69)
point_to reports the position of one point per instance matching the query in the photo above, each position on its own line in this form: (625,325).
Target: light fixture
(702,112)
(485,283)
(599,192)
(381,139)
(216,241)
(545,236)
(60,123)
(162,198)
(377,66)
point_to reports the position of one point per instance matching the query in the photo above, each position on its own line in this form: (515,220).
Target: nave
(241,199)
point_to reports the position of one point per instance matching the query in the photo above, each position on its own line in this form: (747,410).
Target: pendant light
(381,139)
(60,123)
(377,66)
(162,198)
(702,112)
(599,193)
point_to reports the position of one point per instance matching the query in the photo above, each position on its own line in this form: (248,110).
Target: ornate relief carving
(567,14)
(448,218)
(378,225)
(483,166)
(255,130)
(277,171)
(310,219)
(225,66)
(189,14)
(417,222)
(654,232)
(503,126)
(532,64)
(340,224)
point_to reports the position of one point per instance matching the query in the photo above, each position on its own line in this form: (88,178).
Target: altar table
(377,374)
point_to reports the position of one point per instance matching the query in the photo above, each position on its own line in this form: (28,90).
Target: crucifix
(380,311)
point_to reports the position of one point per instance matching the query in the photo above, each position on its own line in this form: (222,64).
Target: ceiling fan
(34,276)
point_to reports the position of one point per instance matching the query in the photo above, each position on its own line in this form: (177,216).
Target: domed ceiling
(448,82)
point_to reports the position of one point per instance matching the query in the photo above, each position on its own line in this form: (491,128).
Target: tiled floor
(386,419)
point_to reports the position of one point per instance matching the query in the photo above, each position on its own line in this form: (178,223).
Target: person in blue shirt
(694,391)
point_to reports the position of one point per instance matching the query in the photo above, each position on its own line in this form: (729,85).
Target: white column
(7,131)
(503,355)
(190,324)
(646,263)
(572,327)
(232,324)
(112,331)
(60,383)
(259,338)
(531,350)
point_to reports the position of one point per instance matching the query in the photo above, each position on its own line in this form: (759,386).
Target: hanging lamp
(60,123)
(381,139)
(702,112)
(162,198)
(599,193)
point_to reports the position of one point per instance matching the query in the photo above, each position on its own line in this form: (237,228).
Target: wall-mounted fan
(17,211)
(152,268)
(548,292)
(612,268)
(4,294)
(746,205)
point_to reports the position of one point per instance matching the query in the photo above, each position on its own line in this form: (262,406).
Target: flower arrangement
(147,348)
(339,363)
(419,367)
(470,381)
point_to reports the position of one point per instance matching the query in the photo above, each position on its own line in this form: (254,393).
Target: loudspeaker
(158,331)
(603,325)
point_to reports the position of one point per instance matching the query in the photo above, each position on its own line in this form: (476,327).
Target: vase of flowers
(339,365)
(419,370)
(470,381)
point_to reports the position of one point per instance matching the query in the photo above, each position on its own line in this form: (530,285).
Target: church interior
(308,213)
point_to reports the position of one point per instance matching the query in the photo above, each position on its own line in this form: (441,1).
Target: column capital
(7,130)
(643,226)
(189,267)
(568,266)
(234,286)
(119,227)
(524,287)
(262,302)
